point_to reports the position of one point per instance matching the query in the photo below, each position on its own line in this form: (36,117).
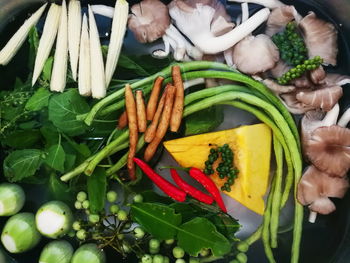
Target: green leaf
(22,164)
(39,100)
(96,185)
(33,39)
(47,69)
(59,190)
(159,220)
(200,233)
(128,63)
(50,133)
(150,196)
(22,139)
(63,109)
(204,121)
(69,162)
(56,157)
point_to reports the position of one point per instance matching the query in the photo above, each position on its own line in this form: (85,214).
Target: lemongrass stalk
(120,18)
(59,70)
(74,29)
(47,39)
(84,79)
(17,40)
(98,86)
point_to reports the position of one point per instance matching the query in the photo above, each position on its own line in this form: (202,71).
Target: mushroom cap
(148,20)
(246,52)
(295,106)
(279,18)
(315,187)
(329,150)
(277,88)
(221,22)
(324,98)
(337,79)
(279,69)
(320,38)
(303,82)
(318,75)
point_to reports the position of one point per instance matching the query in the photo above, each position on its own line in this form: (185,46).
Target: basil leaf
(56,157)
(21,164)
(63,109)
(59,190)
(204,121)
(200,233)
(47,69)
(39,100)
(96,185)
(22,139)
(159,220)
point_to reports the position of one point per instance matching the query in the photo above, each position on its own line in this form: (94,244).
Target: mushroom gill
(279,18)
(329,150)
(315,188)
(148,20)
(246,52)
(324,98)
(320,38)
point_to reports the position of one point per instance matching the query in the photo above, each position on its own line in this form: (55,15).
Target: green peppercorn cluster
(299,70)
(291,45)
(225,168)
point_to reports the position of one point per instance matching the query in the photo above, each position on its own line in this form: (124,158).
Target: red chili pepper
(208,184)
(189,189)
(167,187)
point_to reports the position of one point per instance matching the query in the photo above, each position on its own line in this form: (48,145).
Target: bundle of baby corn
(76,39)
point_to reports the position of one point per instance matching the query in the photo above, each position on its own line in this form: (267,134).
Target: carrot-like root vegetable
(141,111)
(153,99)
(163,123)
(133,130)
(152,128)
(179,99)
(123,120)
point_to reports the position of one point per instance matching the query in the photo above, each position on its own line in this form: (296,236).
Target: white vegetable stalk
(98,81)
(59,70)
(120,18)
(245,11)
(331,116)
(345,119)
(74,29)
(267,3)
(47,39)
(84,80)
(182,42)
(16,41)
(196,26)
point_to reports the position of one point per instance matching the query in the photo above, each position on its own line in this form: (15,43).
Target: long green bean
(187,66)
(277,193)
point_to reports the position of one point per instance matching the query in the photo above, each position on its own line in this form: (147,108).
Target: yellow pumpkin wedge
(251,146)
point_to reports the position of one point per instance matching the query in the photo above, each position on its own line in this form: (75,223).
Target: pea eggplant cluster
(225,168)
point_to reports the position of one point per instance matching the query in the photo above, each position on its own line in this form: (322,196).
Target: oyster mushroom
(279,69)
(246,52)
(323,98)
(293,105)
(267,3)
(318,75)
(195,23)
(315,188)
(337,79)
(279,18)
(277,88)
(148,20)
(320,38)
(329,150)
